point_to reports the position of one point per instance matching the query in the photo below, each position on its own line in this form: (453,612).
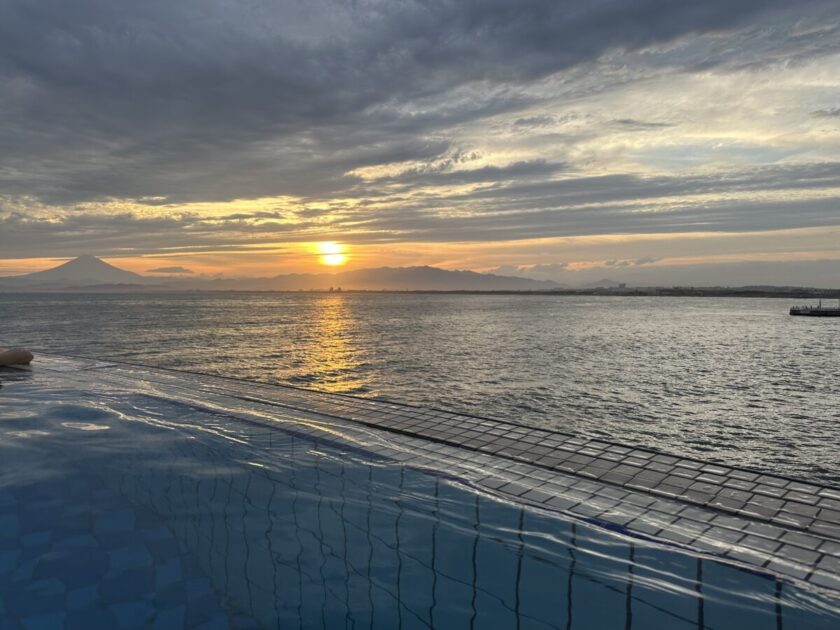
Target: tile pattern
(348,548)
(77,556)
(337,539)
(776,500)
(776,549)
(776,524)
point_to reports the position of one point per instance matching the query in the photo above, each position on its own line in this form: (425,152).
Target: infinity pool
(131,511)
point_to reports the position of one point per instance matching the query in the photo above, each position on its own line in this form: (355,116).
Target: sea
(727,380)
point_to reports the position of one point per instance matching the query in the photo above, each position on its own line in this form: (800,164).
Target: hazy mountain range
(91,273)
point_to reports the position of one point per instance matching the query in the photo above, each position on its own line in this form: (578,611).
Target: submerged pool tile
(8,561)
(36,539)
(170,619)
(49,621)
(24,569)
(134,614)
(10,526)
(118,539)
(118,521)
(127,586)
(92,618)
(132,557)
(168,573)
(77,541)
(84,597)
(206,612)
(75,567)
(34,598)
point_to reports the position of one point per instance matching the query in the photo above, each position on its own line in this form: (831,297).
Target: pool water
(127,511)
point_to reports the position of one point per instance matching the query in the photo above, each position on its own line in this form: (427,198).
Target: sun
(332,254)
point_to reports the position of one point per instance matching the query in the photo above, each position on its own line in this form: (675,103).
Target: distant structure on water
(817,311)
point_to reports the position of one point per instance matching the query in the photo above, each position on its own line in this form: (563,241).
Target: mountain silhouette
(79,272)
(89,272)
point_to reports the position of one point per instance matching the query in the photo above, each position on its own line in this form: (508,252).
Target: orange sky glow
(578,253)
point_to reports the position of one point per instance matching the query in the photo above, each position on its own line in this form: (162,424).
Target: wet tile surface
(780,525)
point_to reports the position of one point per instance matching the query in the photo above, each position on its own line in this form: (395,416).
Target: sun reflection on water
(333,360)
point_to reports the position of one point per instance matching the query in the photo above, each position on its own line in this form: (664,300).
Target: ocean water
(731,380)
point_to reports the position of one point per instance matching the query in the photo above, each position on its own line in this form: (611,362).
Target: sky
(647,141)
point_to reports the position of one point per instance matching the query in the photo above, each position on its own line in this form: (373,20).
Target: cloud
(497,208)
(176,270)
(646,260)
(548,268)
(518,171)
(541,120)
(215,100)
(641,125)
(832,112)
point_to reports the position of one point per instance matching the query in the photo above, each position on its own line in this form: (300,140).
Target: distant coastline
(88,274)
(699,292)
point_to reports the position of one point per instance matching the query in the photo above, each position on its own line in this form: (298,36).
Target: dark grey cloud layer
(512,210)
(833,112)
(222,99)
